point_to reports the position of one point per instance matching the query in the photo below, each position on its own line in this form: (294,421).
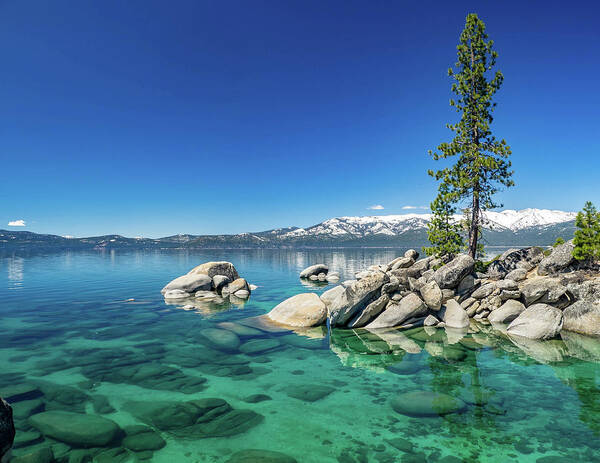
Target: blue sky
(155,118)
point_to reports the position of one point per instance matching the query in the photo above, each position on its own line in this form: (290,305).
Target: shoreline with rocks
(535,295)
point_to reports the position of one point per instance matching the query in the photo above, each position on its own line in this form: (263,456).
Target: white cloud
(376,207)
(406,208)
(16,223)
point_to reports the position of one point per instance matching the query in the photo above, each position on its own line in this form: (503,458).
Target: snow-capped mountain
(527,227)
(394,225)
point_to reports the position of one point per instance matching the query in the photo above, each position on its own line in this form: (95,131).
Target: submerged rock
(201,418)
(260,456)
(142,438)
(426,403)
(539,321)
(308,392)
(305,309)
(221,339)
(7,428)
(76,429)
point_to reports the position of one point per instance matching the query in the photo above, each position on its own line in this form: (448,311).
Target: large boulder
(189,283)
(305,309)
(239,284)
(216,268)
(76,429)
(370,312)
(539,321)
(432,295)
(356,297)
(582,317)
(513,259)
(454,316)
(7,428)
(410,306)
(560,258)
(450,275)
(426,403)
(314,270)
(507,312)
(332,294)
(588,290)
(546,290)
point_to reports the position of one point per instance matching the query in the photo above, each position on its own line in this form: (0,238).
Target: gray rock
(582,317)
(507,312)
(189,283)
(242,293)
(305,309)
(314,270)
(466,285)
(447,294)
(484,291)
(414,284)
(426,403)
(221,339)
(216,268)
(331,294)
(518,274)
(176,294)
(7,428)
(432,295)
(506,295)
(450,275)
(76,429)
(454,316)
(370,312)
(560,258)
(219,281)
(540,321)
(235,286)
(363,274)
(402,262)
(507,284)
(412,254)
(588,290)
(348,283)
(410,306)
(430,320)
(333,277)
(545,290)
(356,297)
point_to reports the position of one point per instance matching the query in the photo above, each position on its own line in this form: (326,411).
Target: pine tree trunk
(474,226)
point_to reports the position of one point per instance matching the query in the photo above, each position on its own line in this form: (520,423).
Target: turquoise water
(90,333)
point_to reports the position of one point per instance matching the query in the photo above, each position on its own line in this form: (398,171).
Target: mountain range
(526,227)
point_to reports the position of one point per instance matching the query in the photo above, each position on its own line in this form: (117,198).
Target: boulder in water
(305,309)
(76,429)
(426,403)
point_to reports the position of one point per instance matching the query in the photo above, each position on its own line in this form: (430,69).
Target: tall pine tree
(482,166)
(587,235)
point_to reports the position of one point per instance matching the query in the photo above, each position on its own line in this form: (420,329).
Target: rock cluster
(538,295)
(319,272)
(211,280)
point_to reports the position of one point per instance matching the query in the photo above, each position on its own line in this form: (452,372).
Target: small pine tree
(558,242)
(587,235)
(443,231)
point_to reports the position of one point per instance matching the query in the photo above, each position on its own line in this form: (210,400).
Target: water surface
(92,334)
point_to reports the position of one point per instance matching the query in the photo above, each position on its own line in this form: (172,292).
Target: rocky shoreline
(535,295)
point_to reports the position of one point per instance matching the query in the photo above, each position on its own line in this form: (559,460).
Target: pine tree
(443,230)
(482,166)
(587,235)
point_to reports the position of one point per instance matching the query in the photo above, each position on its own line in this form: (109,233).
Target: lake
(89,333)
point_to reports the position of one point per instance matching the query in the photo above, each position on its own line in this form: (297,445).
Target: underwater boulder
(426,403)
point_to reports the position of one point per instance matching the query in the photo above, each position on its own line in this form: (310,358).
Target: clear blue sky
(155,118)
